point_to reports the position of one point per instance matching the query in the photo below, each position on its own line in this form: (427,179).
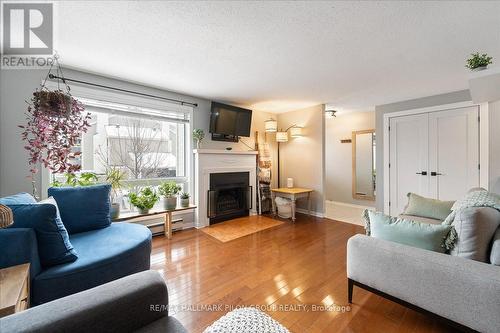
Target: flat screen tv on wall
(228,122)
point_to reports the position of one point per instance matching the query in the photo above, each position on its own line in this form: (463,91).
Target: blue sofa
(104,254)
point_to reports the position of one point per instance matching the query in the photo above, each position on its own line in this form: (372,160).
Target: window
(148,145)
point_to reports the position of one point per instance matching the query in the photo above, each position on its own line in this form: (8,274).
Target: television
(228,122)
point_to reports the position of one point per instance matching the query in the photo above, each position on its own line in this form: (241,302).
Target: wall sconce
(271,125)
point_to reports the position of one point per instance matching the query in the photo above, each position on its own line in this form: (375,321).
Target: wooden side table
(293,194)
(15,289)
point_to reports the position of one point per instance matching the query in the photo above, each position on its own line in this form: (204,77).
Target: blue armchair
(105,253)
(19,246)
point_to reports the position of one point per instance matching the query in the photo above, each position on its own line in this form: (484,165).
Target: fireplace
(229,196)
(215,172)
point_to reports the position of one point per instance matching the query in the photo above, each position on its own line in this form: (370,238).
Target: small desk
(14,289)
(166,212)
(292,193)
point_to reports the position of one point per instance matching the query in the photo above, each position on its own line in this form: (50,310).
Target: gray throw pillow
(495,248)
(427,207)
(475,227)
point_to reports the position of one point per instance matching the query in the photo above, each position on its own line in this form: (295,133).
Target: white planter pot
(114,211)
(185,202)
(482,68)
(143,211)
(169,203)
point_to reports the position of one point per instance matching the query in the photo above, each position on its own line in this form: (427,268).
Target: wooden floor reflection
(295,272)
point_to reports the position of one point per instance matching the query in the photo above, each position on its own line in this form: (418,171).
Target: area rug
(240,227)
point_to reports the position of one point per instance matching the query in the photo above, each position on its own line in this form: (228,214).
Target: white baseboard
(312,213)
(345,212)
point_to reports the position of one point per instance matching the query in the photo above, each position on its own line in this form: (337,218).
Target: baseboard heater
(158,228)
(157,224)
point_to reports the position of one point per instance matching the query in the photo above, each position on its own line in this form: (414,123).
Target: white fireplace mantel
(225,151)
(207,161)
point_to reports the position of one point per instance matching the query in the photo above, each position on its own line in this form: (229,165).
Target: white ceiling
(280,56)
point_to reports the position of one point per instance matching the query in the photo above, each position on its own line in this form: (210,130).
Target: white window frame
(102,94)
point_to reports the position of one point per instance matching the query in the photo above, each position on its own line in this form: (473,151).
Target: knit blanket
(246,320)
(479,198)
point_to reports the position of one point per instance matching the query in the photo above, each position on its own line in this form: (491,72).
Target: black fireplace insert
(229,197)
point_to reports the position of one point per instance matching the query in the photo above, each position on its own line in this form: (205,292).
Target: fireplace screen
(229,196)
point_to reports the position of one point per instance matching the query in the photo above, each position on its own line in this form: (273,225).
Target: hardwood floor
(289,267)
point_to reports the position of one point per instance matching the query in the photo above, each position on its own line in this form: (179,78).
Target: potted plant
(198,135)
(478,61)
(55,122)
(144,200)
(185,199)
(115,178)
(169,191)
(84,179)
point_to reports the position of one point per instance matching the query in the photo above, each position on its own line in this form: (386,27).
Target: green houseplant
(198,135)
(144,200)
(169,191)
(185,199)
(83,179)
(115,178)
(478,61)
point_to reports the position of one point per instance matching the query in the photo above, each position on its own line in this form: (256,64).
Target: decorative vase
(169,203)
(185,202)
(143,211)
(114,211)
(198,144)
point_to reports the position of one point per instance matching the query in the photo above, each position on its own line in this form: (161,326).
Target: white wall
(338,156)
(16,86)
(303,158)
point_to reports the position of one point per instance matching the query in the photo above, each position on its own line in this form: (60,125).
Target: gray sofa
(136,303)
(464,292)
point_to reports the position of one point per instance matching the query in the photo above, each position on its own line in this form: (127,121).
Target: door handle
(434,173)
(423,173)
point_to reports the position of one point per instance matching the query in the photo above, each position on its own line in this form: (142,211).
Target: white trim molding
(484,145)
(345,212)
(312,213)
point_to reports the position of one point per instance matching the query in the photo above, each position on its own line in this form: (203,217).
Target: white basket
(284,207)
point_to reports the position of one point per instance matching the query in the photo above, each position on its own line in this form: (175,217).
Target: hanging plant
(55,122)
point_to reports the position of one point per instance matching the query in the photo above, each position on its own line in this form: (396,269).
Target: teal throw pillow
(433,237)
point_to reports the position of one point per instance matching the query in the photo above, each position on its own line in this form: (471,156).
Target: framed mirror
(363,164)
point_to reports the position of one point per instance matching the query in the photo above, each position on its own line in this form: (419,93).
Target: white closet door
(453,152)
(409,155)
